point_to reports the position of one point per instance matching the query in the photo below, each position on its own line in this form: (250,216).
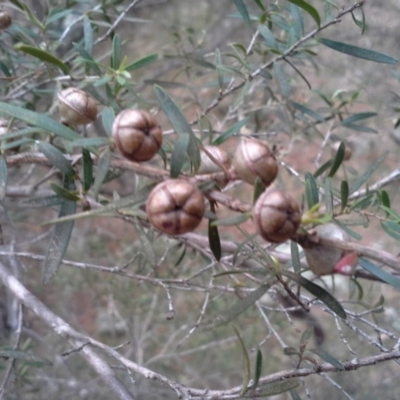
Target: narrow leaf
(101,172)
(87,34)
(358,52)
(358,117)
(180,124)
(60,238)
(258,369)
(30,359)
(230,132)
(142,62)
(43,56)
(328,358)
(246,361)
(42,202)
(3,178)
(87,170)
(242,10)
(308,8)
(64,193)
(116,52)
(283,80)
(392,228)
(294,395)
(305,110)
(56,158)
(272,389)
(324,167)
(259,188)
(318,292)
(179,155)
(338,159)
(107,119)
(37,119)
(268,36)
(364,177)
(344,194)
(328,196)
(294,251)
(213,237)
(312,194)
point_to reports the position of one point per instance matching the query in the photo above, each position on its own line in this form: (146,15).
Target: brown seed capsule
(254,158)
(175,206)
(276,216)
(5,19)
(323,259)
(76,107)
(137,134)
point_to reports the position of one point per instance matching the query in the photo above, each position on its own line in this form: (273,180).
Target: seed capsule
(255,158)
(5,19)
(175,206)
(276,216)
(76,107)
(137,134)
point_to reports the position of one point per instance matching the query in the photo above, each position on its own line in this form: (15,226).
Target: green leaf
(87,34)
(101,172)
(273,389)
(360,128)
(87,170)
(305,337)
(358,117)
(258,369)
(42,202)
(324,167)
(232,220)
(358,52)
(349,231)
(338,159)
(230,132)
(56,158)
(361,24)
(107,119)
(344,194)
(268,36)
(308,8)
(43,56)
(89,60)
(283,80)
(116,52)
(328,358)
(242,10)
(64,193)
(3,178)
(179,155)
(142,62)
(392,228)
(312,194)
(213,236)
(305,110)
(180,124)
(328,196)
(294,251)
(246,361)
(30,359)
(61,235)
(379,272)
(318,292)
(364,177)
(37,119)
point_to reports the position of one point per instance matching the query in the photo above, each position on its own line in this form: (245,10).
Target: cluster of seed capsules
(176,206)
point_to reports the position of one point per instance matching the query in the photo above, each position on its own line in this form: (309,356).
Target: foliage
(174,314)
